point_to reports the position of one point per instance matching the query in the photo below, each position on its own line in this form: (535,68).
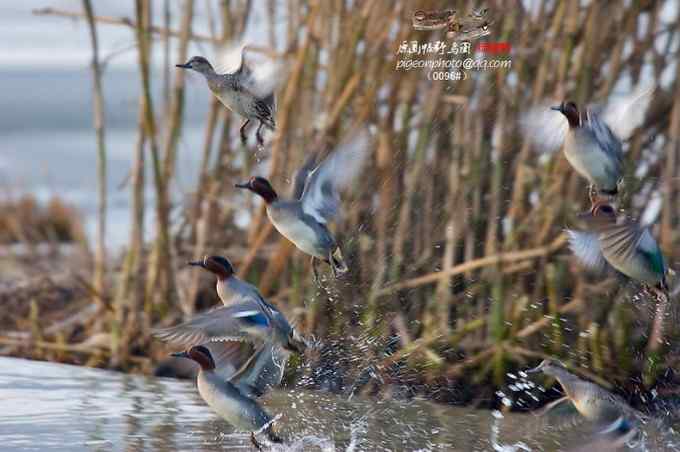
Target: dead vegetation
(459,269)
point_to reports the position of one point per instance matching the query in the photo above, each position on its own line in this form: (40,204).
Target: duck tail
(338,262)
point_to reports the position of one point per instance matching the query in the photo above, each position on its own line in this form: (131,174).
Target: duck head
(217,265)
(200,354)
(570,111)
(198,64)
(262,187)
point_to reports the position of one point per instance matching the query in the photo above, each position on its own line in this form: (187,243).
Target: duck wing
(320,198)
(301,176)
(587,249)
(262,371)
(624,243)
(229,356)
(558,415)
(604,136)
(626,113)
(243,322)
(544,128)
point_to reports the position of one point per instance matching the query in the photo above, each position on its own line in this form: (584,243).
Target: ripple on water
(55,407)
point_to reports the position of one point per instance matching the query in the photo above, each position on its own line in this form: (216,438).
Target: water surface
(55,407)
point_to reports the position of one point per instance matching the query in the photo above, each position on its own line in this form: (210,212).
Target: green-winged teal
(240,93)
(592,149)
(226,397)
(246,325)
(607,411)
(303,220)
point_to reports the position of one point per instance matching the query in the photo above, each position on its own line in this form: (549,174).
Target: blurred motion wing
(586,247)
(625,113)
(321,198)
(301,176)
(545,128)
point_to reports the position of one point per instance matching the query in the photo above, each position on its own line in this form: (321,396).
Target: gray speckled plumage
(239,92)
(594,403)
(241,411)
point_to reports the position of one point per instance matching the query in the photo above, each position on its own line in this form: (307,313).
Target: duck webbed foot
(258,134)
(255,442)
(244,138)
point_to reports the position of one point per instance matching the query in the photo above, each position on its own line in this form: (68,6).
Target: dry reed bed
(459,269)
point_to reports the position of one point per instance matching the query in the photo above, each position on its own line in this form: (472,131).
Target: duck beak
(180,355)
(535,370)
(243,185)
(196,264)
(557,108)
(184,66)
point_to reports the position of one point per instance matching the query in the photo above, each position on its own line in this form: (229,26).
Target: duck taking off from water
(619,243)
(226,397)
(316,201)
(240,92)
(592,149)
(247,327)
(608,412)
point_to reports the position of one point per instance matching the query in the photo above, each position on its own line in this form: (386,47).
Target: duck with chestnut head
(592,149)
(316,201)
(245,326)
(226,397)
(240,93)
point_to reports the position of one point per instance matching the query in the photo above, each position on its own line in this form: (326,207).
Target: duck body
(230,403)
(315,202)
(592,149)
(227,397)
(307,234)
(234,95)
(606,411)
(586,156)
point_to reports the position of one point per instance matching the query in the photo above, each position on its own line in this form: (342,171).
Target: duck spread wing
(320,198)
(301,176)
(241,322)
(620,242)
(587,248)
